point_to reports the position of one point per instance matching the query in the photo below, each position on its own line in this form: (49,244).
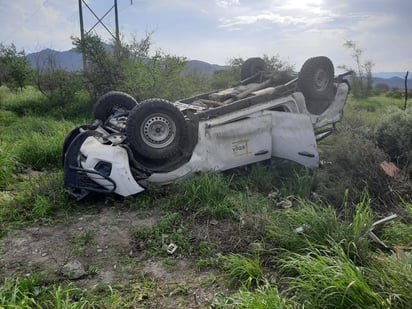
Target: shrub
(353,164)
(393,135)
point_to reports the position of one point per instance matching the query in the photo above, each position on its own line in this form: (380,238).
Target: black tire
(111,103)
(156,129)
(252,66)
(316,78)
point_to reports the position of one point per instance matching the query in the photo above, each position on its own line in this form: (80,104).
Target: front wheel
(156,129)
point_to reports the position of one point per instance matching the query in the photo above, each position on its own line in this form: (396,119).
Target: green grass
(206,195)
(246,271)
(262,298)
(372,108)
(329,279)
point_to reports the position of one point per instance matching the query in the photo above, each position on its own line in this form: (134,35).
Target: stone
(73,270)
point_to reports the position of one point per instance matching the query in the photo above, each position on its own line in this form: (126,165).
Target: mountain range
(71,60)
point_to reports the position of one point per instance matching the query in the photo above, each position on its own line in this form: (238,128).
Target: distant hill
(393,82)
(71,60)
(202,67)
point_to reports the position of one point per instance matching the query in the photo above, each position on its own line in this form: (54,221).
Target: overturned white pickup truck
(134,144)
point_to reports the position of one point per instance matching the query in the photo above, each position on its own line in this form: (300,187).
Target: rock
(73,270)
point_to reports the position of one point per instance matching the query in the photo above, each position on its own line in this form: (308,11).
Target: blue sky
(219,30)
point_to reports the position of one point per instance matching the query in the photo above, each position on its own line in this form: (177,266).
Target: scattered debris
(274,193)
(390,168)
(171,248)
(376,238)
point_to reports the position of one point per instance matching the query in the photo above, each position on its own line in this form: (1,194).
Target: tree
(361,80)
(15,70)
(129,67)
(58,85)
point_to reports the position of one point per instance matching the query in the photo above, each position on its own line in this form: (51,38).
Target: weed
(396,233)
(261,298)
(7,118)
(31,292)
(391,277)
(307,224)
(155,239)
(82,241)
(329,279)
(312,226)
(207,195)
(7,166)
(37,199)
(244,270)
(287,177)
(261,178)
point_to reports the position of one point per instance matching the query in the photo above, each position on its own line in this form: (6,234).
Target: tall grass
(391,277)
(244,271)
(30,102)
(329,279)
(32,293)
(36,199)
(35,142)
(263,297)
(315,226)
(207,194)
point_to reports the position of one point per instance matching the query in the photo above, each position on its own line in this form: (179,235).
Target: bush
(352,162)
(393,135)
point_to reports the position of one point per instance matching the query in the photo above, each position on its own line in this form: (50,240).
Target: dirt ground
(102,241)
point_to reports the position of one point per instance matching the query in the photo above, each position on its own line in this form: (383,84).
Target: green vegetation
(265,236)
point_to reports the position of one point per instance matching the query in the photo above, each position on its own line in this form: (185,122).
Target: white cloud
(226,3)
(37,23)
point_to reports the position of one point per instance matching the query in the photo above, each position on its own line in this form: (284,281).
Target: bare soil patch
(103,242)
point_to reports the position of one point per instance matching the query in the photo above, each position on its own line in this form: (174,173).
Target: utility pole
(83,33)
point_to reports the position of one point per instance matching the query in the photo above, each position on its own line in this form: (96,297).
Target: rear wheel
(316,78)
(156,130)
(112,103)
(252,66)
